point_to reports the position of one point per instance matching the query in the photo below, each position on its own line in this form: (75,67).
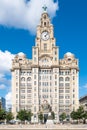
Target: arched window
(29,79)
(61,79)
(44,23)
(67,79)
(22,79)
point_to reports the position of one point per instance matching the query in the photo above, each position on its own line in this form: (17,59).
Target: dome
(69,55)
(21,54)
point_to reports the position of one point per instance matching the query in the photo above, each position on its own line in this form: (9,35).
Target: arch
(67,79)
(29,79)
(22,79)
(61,79)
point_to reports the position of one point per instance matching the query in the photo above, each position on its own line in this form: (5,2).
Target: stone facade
(45,78)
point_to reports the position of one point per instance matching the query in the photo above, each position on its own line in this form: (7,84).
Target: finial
(44,8)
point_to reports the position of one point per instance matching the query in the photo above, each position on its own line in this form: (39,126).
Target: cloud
(5,62)
(25,14)
(8,98)
(5,74)
(2,86)
(85,86)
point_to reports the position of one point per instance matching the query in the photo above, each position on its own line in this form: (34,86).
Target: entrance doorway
(45,118)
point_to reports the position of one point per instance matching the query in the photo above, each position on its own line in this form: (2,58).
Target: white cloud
(85,86)
(5,62)
(2,86)
(5,81)
(24,15)
(8,98)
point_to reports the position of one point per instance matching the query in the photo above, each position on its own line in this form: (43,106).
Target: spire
(44,8)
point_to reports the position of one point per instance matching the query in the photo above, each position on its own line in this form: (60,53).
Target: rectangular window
(67,84)
(16,83)
(55,82)
(16,96)
(34,82)
(61,84)
(45,47)
(34,76)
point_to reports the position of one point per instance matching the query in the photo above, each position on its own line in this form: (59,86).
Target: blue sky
(70,31)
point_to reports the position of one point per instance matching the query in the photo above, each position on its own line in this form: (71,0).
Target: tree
(53,115)
(63,116)
(22,115)
(79,114)
(29,114)
(74,115)
(9,116)
(2,114)
(40,116)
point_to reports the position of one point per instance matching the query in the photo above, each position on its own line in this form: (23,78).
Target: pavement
(44,127)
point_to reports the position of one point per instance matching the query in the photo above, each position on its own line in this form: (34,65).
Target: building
(2,103)
(83,102)
(45,80)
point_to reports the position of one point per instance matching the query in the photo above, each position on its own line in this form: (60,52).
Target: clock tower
(46,62)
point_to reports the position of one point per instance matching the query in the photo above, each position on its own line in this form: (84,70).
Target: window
(55,52)
(44,23)
(35,109)
(16,96)
(61,91)
(55,76)
(34,82)
(61,84)
(23,91)
(16,71)
(29,79)
(16,83)
(16,89)
(61,79)
(67,84)
(67,91)
(55,82)
(50,77)
(61,97)
(34,76)
(73,77)
(67,96)
(55,59)
(22,79)
(34,58)
(67,79)
(61,73)
(73,95)
(45,47)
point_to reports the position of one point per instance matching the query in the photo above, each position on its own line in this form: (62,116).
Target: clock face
(45,35)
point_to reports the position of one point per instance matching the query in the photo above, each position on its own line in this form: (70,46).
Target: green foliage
(85,115)
(74,115)
(63,116)
(29,114)
(2,114)
(9,116)
(79,114)
(24,115)
(53,115)
(40,116)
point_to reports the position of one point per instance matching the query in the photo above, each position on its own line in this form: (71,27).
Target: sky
(18,21)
